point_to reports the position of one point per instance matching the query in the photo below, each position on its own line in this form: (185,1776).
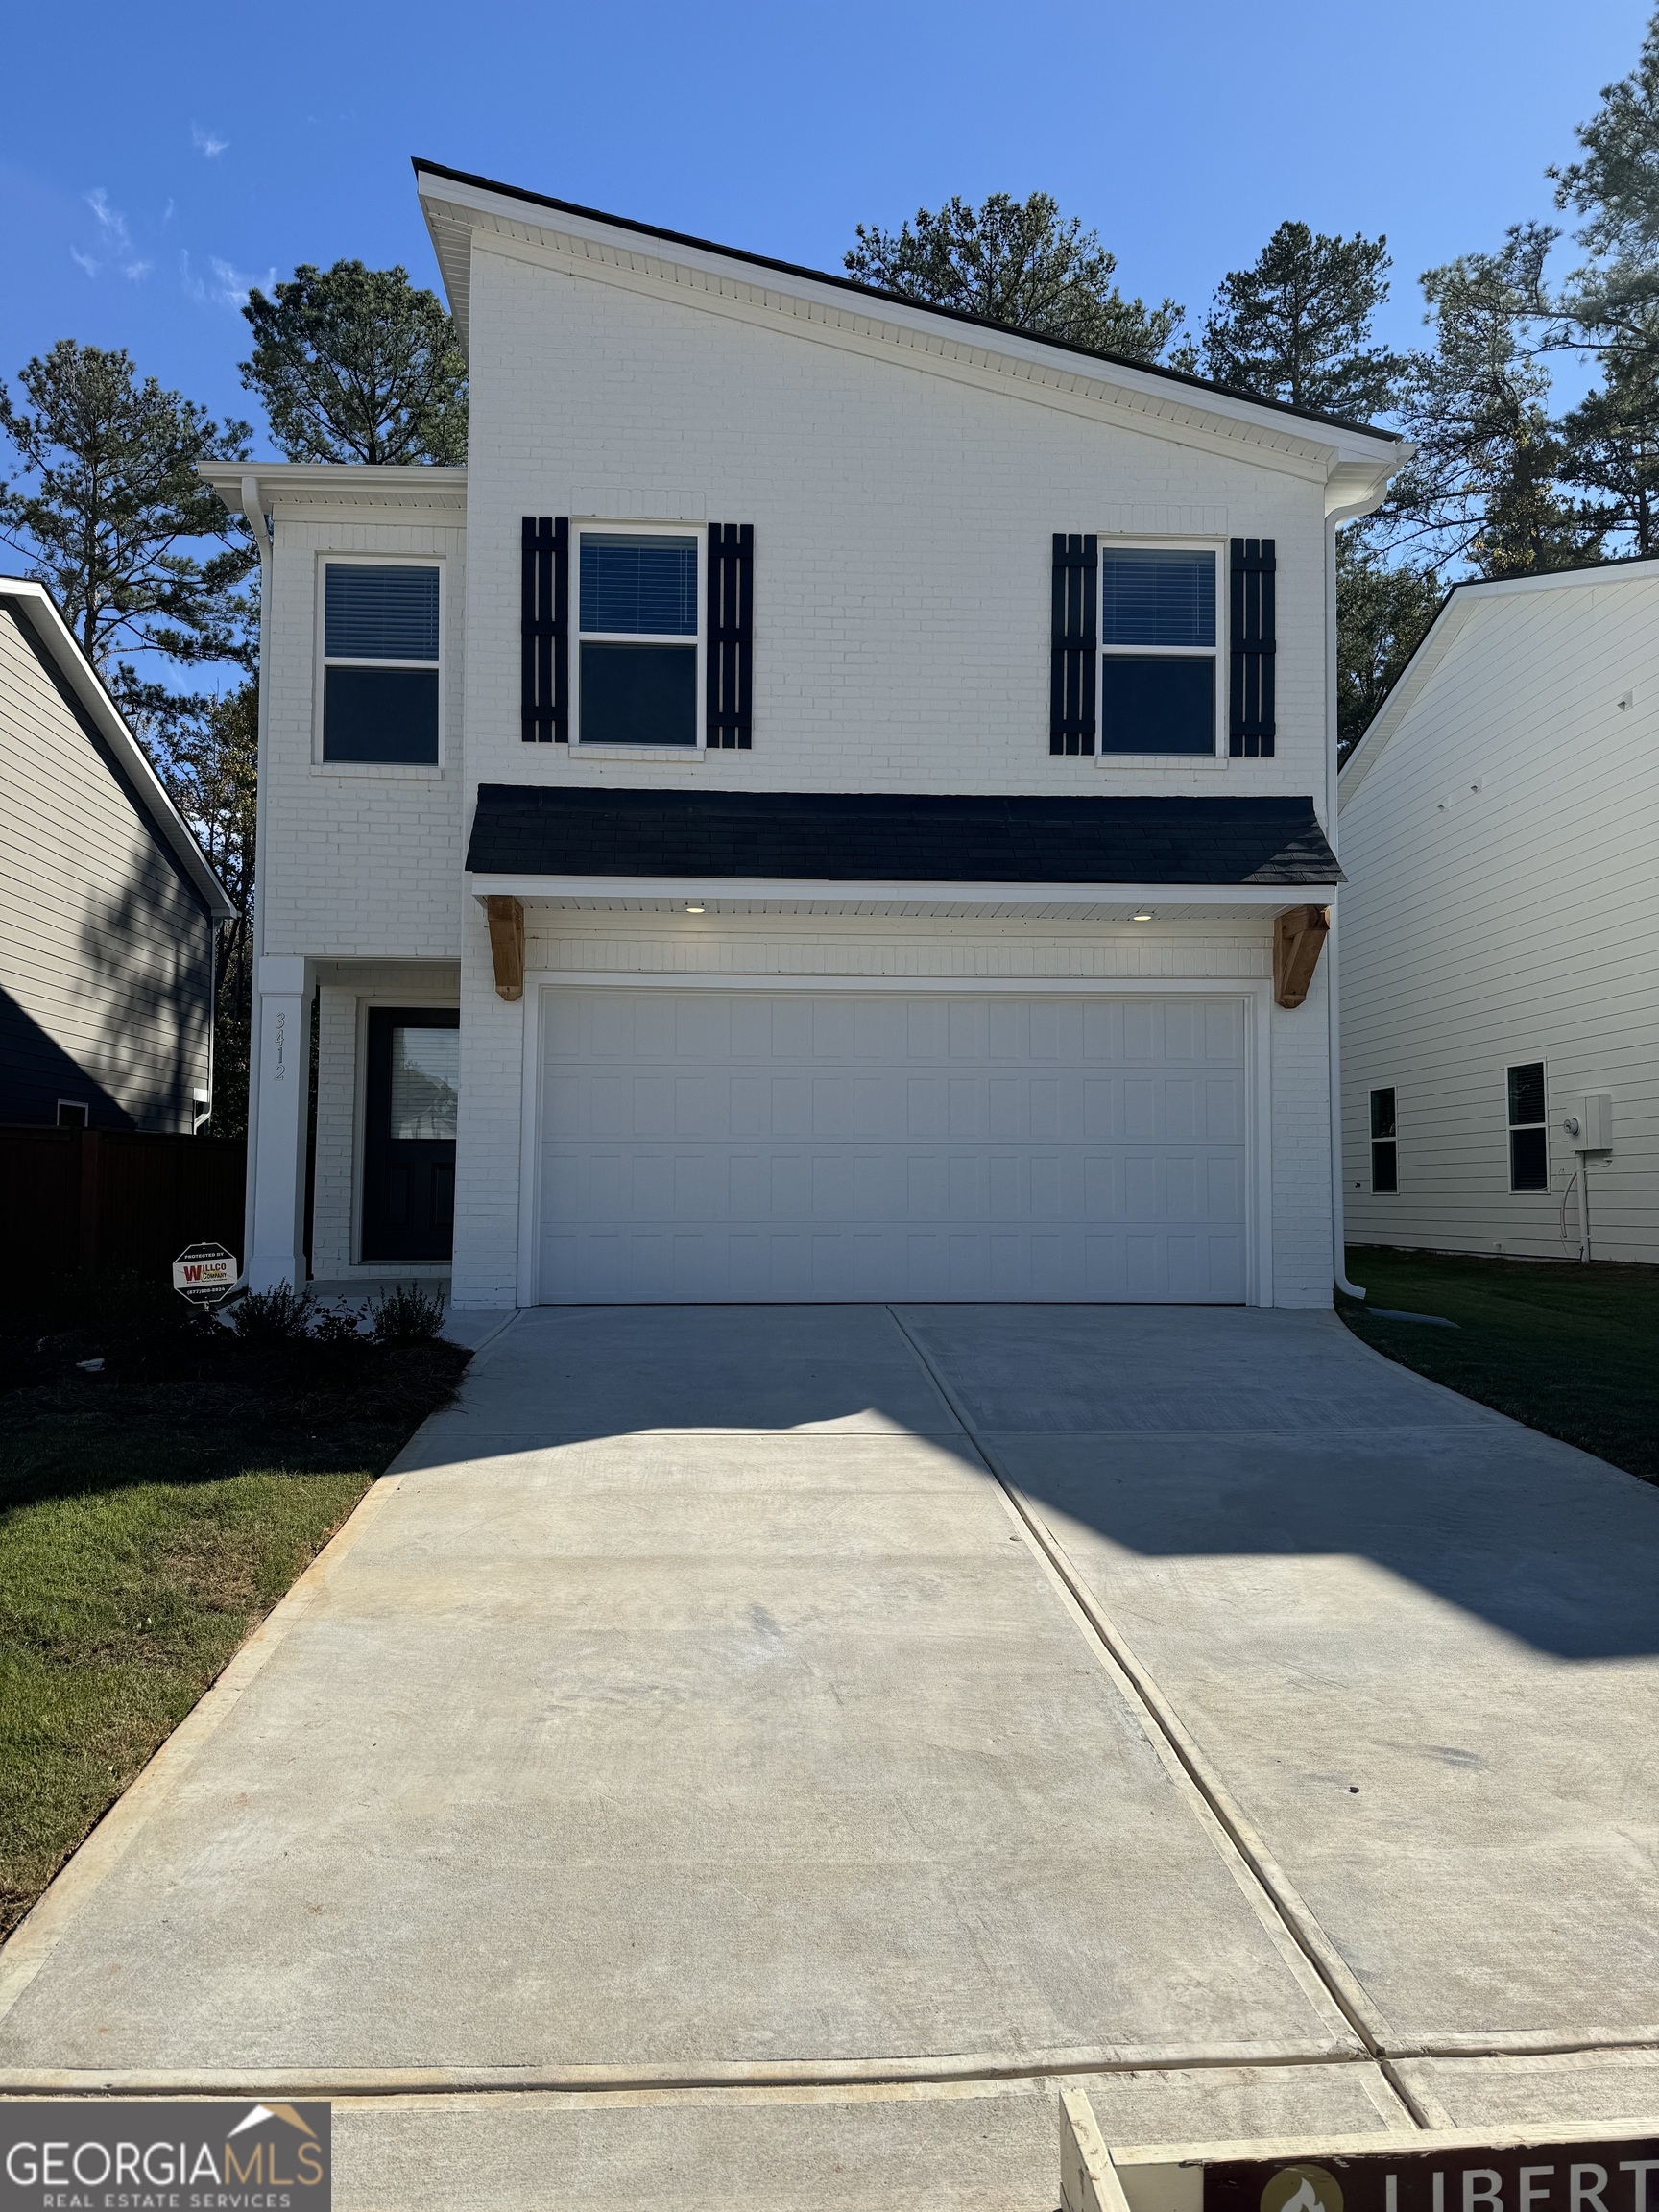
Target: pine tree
(1611,446)
(1296,326)
(356,364)
(1383,610)
(110,509)
(1484,484)
(1019,263)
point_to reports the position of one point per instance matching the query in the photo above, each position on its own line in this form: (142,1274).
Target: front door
(414,1081)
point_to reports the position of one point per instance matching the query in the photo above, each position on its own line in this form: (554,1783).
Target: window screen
(1528,1139)
(1157,649)
(1153,597)
(1384,1152)
(380,644)
(380,613)
(638,586)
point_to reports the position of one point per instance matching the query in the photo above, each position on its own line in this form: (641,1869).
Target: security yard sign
(205,1273)
(1571,2168)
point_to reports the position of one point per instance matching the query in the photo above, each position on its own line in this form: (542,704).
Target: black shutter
(731,647)
(1071,681)
(1250,691)
(544,629)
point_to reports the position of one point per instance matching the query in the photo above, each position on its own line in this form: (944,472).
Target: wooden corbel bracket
(1299,937)
(506,918)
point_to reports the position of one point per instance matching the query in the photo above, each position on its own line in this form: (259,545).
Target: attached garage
(707,1144)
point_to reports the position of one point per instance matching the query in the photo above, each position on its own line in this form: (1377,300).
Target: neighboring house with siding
(110,910)
(833,801)
(1500,929)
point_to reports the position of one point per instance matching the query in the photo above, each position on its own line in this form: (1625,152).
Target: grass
(149,1516)
(1570,1350)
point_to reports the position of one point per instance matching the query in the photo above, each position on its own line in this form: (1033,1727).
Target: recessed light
(1144,915)
(693,906)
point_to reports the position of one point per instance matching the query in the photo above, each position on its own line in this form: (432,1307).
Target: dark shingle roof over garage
(534,829)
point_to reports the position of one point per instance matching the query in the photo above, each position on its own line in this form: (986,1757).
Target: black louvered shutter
(1250,691)
(544,629)
(1072,681)
(731,649)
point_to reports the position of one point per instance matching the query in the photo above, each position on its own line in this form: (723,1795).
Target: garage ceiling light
(693,906)
(1143,915)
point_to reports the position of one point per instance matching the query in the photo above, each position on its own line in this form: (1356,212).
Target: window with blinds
(382,662)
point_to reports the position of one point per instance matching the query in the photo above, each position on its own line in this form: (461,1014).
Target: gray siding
(106,952)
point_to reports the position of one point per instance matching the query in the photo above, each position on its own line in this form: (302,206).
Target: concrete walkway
(742,1755)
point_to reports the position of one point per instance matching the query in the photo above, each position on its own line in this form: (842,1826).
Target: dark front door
(414,1079)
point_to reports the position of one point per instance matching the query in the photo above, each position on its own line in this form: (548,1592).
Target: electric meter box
(1594,1124)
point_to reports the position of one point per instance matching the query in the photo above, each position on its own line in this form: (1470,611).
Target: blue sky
(162,158)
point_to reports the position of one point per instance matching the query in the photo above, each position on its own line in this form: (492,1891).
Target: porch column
(277,1125)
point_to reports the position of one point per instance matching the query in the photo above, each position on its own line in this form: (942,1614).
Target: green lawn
(1574,1351)
(150,1517)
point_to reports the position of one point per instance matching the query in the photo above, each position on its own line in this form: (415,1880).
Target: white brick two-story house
(832,801)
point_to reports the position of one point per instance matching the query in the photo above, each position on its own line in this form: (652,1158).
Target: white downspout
(1333,994)
(253,508)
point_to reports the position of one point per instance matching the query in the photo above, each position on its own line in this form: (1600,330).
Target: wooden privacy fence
(114,1201)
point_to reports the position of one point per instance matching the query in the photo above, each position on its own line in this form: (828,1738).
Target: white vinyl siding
(103,948)
(1500,910)
(708,1145)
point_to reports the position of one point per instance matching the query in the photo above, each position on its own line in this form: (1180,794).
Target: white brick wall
(904,510)
(903,523)
(341,1011)
(357,861)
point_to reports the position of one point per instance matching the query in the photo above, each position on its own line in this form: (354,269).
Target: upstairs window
(1157,642)
(640,638)
(1529,1140)
(1384,1161)
(380,662)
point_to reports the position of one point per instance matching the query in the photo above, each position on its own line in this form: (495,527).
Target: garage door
(707,1144)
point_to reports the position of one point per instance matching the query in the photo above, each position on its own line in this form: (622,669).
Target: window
(74,1114)
(639,618)
(1529,1144)
(1384,1164)
(381,631)
(1157,649)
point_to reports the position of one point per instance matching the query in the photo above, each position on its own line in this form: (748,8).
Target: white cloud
(110,219)
(137,268)
(207,142)
(227,287)
(84,261)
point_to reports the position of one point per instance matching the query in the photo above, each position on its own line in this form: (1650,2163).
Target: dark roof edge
(896,299)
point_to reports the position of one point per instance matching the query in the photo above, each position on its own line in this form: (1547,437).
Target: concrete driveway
(741,1756)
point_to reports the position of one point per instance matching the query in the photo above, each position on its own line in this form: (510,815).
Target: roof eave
(84,681)
(439,186)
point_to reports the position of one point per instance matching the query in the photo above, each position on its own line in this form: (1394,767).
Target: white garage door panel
(706,1144)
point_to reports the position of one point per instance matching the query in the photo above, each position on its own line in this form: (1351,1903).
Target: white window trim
(1217,756)
(325,661)
(601,525)
(1541,1061)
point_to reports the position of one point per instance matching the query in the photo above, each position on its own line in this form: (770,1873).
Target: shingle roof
(534,829)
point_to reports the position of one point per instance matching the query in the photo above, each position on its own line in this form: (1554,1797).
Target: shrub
(406,1315)
(277,1316)
(337,1325)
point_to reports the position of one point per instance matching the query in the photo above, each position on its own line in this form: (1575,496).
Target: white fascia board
(453,210)
(351,483)
(797,890)
(37,603)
